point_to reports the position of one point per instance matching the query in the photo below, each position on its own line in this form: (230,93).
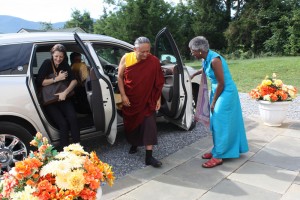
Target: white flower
(62,155)
(26,194)
(56,166)
(75,161)
(71,181)
(267,97)
(75,148)
(61,180)
(13,172)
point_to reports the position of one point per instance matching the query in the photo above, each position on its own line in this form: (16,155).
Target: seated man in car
(81,73)
(79,68)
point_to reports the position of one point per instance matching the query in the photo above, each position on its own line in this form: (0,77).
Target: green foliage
(210,20)
(292,47)
(83,21)
(182,32)
(136,18)
(244,28)
(46,26)
(266,26)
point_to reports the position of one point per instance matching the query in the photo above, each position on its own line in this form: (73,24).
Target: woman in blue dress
(226,120)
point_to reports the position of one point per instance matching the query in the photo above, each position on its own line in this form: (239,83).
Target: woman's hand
(193,76)
(196,73)
(62,75)
(62,95)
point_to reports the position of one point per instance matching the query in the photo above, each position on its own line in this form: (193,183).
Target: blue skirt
(227,124)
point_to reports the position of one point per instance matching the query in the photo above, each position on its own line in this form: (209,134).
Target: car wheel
(14,144)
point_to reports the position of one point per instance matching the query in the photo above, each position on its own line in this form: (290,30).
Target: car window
(16,58)
(165,52)
(43,52)
(109,55)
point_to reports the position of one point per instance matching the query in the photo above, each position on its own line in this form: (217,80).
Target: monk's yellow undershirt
(130,59)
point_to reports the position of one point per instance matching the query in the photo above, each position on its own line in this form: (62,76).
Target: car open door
(176,103)
(100,95)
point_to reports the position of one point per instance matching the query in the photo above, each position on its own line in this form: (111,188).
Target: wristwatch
(54,80)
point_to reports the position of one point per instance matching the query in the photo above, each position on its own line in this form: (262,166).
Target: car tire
(14,144)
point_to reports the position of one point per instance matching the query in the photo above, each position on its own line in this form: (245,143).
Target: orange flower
(267,90)
(45,190)
(27,172)
(283,95)
(27,167)
(272,89)
(273,97)
(30,182)
(87,194)
(254,93)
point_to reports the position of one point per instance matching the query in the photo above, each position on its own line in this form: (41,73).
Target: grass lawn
(247,74)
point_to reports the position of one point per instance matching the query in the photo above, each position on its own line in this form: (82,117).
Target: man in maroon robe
(140,81)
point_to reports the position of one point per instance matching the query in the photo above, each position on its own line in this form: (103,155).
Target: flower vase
(99,193)
(273,113)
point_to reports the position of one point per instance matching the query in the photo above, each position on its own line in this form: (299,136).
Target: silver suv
(22,115)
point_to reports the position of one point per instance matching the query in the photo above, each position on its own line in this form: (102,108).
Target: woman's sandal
(207,156)
(212,163)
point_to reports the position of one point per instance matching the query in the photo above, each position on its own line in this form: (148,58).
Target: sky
(51,11)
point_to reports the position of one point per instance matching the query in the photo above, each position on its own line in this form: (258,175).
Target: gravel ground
(170,139)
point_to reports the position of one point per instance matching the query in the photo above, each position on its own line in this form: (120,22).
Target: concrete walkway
(269,171)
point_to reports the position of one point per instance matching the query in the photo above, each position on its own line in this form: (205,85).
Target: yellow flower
(76,180)
(278,82)
(266,82)
(61,180)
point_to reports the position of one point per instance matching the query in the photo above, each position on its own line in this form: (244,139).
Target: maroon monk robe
(143,83)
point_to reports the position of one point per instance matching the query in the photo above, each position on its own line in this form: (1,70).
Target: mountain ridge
(11,24)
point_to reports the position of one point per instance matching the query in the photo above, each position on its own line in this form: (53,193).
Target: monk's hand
(125,100)
(157,105)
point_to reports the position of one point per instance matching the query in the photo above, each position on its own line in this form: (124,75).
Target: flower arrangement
(272,89)
(48,174)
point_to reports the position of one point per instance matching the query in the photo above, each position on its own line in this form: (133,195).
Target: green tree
(292,47)
(83,21)
(265,26)
(46,26)
(182,31)
(134,18)
(210,19)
